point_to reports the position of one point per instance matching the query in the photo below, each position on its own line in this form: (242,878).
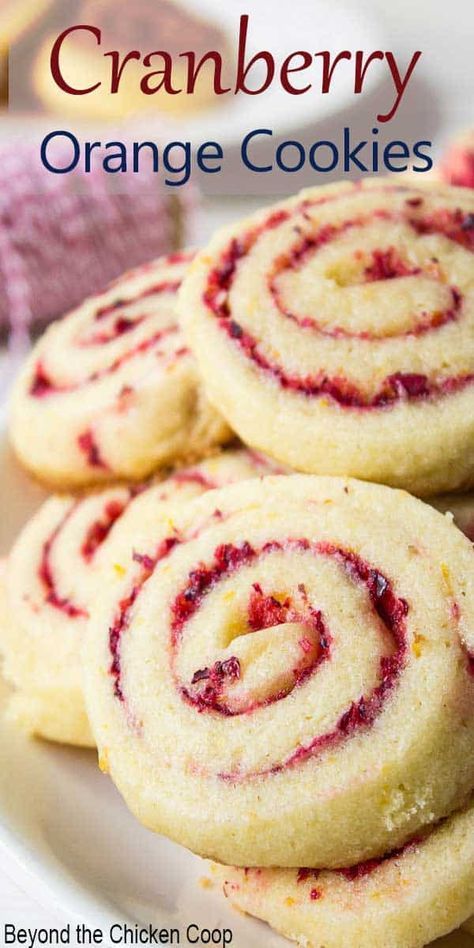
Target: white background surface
(442,103)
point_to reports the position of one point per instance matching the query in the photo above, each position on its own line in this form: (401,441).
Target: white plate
(62,820)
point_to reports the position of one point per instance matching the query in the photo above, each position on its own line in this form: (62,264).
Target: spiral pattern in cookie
(405,899)
(291,649)
(112,390)
(335,331)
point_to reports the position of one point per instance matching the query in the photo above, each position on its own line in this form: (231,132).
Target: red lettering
(287,68)
(166,73)
(243,69)
(399,83)
(361,68)
(194,70)
(328,69)
(118,67)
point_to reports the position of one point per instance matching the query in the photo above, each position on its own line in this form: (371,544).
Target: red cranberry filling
(120,326)
(305,874)
(122,619)
(165,286)
(90,449)
(100,529)
(401,386)
(219,671)
(387,265)
(366,868)
(359,871)
(192,476)
(210,682)
(41,384)
(46,573)
(457,226)
(264,612)
(94,538)
(469,658)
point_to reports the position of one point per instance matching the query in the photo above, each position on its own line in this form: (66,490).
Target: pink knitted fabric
(63,237)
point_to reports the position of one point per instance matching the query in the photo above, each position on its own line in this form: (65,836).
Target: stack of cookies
(270,641)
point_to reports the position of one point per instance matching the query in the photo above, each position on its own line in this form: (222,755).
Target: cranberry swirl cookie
(404,900)
(335,331)
(291,652)
(50,584)
(112,391)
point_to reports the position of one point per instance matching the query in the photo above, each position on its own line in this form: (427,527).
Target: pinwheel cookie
(50,584)
(335,331)
(404,900)
(112,391)
(296,654)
